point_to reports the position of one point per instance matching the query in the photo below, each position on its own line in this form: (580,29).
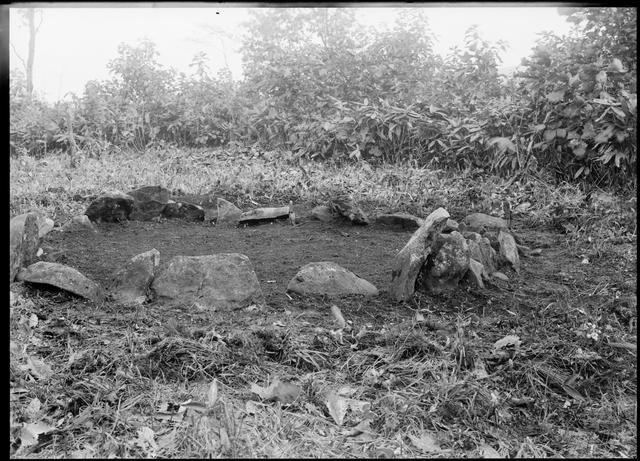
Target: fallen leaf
(212,396)
(335,310)
(280,391)
(145,439)
(33,320)
(425,442)
(337,407)
(38,368)
(251,407)
(486,451)
(196,406)
(507,341)
(33,408)
(30,432)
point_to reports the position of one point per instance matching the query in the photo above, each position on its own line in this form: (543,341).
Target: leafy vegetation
(321,86)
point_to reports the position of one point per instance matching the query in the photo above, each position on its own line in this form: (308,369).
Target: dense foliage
(320,85)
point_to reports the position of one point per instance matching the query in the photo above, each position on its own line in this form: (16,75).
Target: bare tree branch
(18,56)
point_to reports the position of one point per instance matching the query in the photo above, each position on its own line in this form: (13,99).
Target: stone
(23,242)
(452,225)
(509,250)
(481,250)
(183,210)
(63,277)
(210,214)
(476,272)
(323,213)
(345,206)
(258,215)
(479,221)
(228,213)
(330,279)
(111,207)
(408,262)
(500,276)
(221,281)
(400,220)
(446,266)
(151,193)
(130,284)
(147,210)
(79,223)
(45,225)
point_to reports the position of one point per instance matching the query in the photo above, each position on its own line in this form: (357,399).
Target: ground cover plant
(422,378)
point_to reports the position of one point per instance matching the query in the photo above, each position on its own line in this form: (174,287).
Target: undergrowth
(105,381)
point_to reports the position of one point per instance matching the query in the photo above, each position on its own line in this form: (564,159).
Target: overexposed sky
(75,43)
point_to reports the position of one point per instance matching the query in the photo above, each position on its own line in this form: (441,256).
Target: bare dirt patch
(575,367)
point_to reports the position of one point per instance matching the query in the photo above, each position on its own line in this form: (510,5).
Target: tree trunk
(32,50)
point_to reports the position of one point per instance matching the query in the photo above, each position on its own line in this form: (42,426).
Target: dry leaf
(33,408)
(30,432)
(362,432)
(224,439)
(145,439)
(38,368)
(507,341)
(33,320)
(251,407)
(486,451)
(196,406)
(337,407)
(425,442)
(280,391)
(335,310)
(212,396)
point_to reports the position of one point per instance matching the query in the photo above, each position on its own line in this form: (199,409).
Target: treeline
(318,84)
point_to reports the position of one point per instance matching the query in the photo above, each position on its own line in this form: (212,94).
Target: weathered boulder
(228,213)
(481,250)
(330,279)
(408,262)
(79,223)
(220,281)
(210,214)
(264,215)
(151,193)
(63,277)
(500,276)
(111,207)
(400,220)
(323,213)
(476,272)
(452,225)
(446,266)
(45,225)
(146,210)
(23,242)
(131,283)
(345,206)
(509,249)
(479,221)
(183,210)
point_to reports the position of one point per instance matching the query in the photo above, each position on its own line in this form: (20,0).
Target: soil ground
(547,306)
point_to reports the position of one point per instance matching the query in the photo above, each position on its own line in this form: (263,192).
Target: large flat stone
(220,281)
(130,283)
(63,277)
(330,279)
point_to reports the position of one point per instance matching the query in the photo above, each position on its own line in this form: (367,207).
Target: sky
(75,42)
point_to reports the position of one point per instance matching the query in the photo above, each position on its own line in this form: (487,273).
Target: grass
(426,391)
